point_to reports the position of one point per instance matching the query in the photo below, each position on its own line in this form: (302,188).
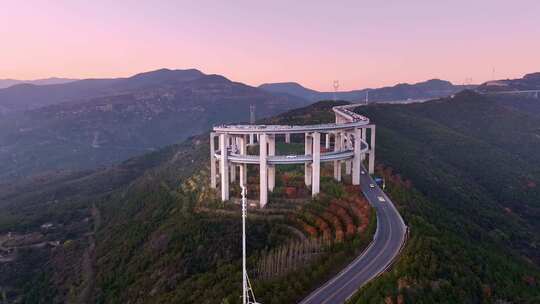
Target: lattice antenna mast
(367,97)
(248,297)
(336,88)
(252,114)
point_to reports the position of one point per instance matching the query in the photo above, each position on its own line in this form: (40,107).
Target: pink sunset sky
(361,43)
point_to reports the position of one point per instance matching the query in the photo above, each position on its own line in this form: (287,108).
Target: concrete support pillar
(251,139)
(213,181)
(337,163)
(271,168)
(232,172)
(357,160)
(263,171)
(232,167)
(316,166)
(348,163)
(364,131)
(288,138)
(307,167)
(243,167)
(372,151)
(348,166)
(237,143)
(327,141)
(224,167)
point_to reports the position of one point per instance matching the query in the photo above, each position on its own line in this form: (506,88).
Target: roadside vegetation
(469,196)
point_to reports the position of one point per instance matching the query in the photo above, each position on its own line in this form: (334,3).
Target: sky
(360,43)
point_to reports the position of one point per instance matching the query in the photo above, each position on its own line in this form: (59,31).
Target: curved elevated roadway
(349,133)
(351,121)
(293,158)
(378,257)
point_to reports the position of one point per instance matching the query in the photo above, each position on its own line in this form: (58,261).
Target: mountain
(527,82)
(149,229)
(5,83)
(292,88)
(465,171)
(423,90)
(128,117)
(24,97)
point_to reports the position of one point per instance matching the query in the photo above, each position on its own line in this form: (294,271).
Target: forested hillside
(151,231)
(471,199)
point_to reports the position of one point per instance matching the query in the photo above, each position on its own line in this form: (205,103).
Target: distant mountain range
(29,96)
(95,122)
(5,83)
(422,90)
(528,82)
(88,123)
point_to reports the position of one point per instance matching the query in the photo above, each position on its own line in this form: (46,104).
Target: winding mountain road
(386,245)
(389,238)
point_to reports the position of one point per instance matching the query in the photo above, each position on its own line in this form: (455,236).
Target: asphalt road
(389,237)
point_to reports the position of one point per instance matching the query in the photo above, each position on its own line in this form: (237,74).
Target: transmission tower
(468,82)
(248,297)
(336,88)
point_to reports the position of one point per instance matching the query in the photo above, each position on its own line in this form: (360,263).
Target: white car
(290,156)
(363,172)
(381,199)
(371,186)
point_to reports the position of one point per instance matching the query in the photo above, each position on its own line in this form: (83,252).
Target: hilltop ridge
(432,88)
(529,81)
(6,83)
(30,96)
